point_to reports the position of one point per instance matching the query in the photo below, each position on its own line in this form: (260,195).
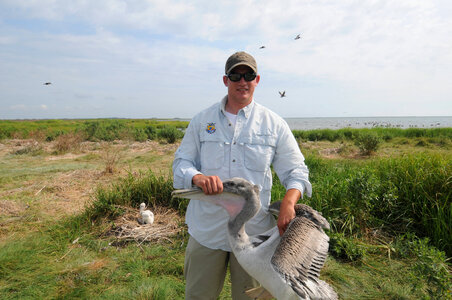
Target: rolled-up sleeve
(289,164)
(186,159)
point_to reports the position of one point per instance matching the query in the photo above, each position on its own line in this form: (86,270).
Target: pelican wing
(300,255)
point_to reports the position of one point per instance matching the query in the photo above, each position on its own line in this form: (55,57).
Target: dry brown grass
(38,135)
(12,208)
(70,141)
(111,156)
(68,193)
(29,146)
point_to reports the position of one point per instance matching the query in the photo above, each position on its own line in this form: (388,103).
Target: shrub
(430,263)
(110,156)
(170,134)
(38,135)
(151,132)
(105,130)
(344,248)
(367,143)
(68,142)
(140,135)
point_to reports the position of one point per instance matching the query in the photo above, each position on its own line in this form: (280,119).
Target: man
(236,137)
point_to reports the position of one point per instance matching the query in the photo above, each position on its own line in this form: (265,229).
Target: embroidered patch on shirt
(210,128)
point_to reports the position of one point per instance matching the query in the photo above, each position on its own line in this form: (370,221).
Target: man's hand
(210,185)
(287,209)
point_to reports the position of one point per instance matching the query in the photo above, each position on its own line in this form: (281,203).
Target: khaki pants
(205,271)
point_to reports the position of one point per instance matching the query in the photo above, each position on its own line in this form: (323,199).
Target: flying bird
(297,37)
(47,83)
(147,216)
(287,266)
(282,94)
(261,47)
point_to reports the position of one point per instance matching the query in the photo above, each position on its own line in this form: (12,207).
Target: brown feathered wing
(301,254)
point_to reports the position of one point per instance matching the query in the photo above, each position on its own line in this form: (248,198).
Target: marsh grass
(383,133)
(68,260)
(92,129)
(411,193)
(381,209)
(135,188)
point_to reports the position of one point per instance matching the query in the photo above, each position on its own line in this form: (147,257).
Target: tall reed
(383,133)
(408,194)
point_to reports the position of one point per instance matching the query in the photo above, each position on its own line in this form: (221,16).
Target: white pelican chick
(146,215)
(288,267)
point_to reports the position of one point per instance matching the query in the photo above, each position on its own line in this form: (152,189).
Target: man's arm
(293,173)
(186,162)
(287,209)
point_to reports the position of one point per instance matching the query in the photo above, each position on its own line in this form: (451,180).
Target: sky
(165,58)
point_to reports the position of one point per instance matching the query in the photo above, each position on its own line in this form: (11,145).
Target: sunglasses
(235,77)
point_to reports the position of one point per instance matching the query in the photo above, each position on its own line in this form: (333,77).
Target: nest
(127,228)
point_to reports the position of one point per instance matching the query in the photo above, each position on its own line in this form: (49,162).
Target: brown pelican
(282,94)
(287,267)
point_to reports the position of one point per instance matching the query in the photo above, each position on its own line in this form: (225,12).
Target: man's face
(241,91)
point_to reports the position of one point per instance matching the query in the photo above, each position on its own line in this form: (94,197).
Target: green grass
(94,129)
(47,265)
(155,190)
(359,201)
(396,195)
(390,215)
(384,133)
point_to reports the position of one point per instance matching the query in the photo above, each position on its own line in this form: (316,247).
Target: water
(368,122)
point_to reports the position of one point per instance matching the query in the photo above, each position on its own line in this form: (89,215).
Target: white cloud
(174,49)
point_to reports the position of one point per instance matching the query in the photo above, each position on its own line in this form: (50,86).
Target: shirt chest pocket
(212,153)
(259,151)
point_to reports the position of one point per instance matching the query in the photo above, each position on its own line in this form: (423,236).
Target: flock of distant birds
(281,94)
(374,124)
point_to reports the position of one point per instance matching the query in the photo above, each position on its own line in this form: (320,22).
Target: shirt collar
(246,110)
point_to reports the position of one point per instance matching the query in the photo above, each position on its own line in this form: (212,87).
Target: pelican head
(240,198)
(142,206)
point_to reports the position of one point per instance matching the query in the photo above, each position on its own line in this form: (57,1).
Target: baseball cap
(238,59)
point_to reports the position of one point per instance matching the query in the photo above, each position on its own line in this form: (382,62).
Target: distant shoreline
(369,122)
(311,123)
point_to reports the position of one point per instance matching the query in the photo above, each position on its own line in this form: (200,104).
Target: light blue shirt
(213,146)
